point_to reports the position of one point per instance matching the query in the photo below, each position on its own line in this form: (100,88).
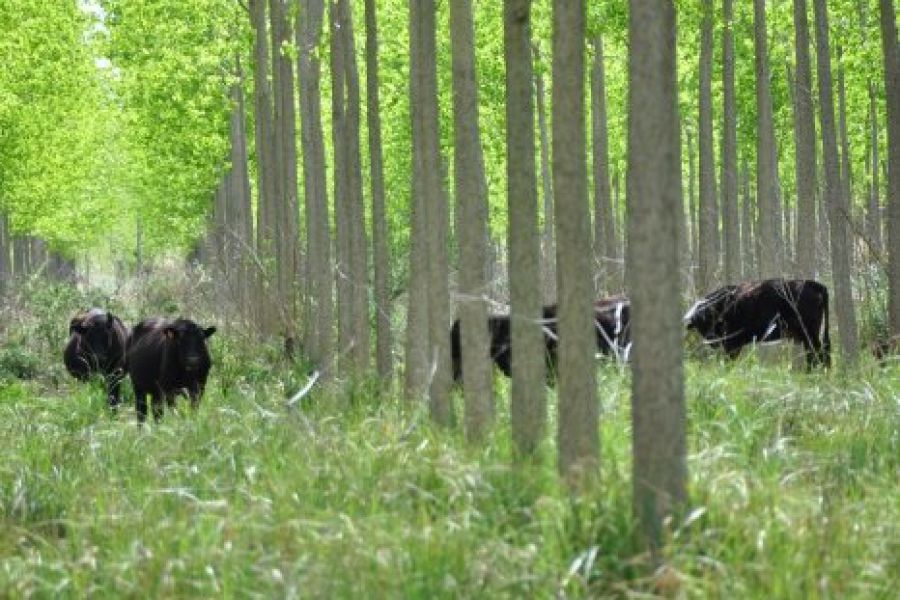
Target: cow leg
(140,404)
(157,406)
(114,391)
(731,350)
(195,393)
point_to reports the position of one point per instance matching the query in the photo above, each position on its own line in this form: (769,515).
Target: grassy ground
(794,493)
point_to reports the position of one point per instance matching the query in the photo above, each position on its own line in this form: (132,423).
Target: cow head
(189,341)
(705,316)
(94,331)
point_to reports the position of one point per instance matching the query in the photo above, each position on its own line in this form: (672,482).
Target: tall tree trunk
(287,211)
(839,213)
(548,245)
(380,235)
(416,368)
(266,297)
(240,232)
(805,142)
(655,205)
(422,16)
(708,264)
(20,256)
(748,221)
(770,256)
(359,255)
(693,217)
(342,213)
(578,436)
(891,50)
(471,225)
(318,229)
(730,217)
(528,404)
(605,246)
(873,221)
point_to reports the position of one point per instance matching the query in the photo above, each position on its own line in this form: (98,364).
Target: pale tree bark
(708,263)
(693,217)
(266,297)
(838,209)
(20,256)
(873,220)
(37,254)
(380,235)
(435,204)
(824,245)
(359,255)
(471,225)
(215,240)
(891,51)
(769,209)
(240,231)
(747,221)
(548,244)
(655,205)
(343,269)
(619,216)
(528,403)
(286,208)
(416,364)
(578,437)
(320,315)
(730,217)
(605,246)
(805,142)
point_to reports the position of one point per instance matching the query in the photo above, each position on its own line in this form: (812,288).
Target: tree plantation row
(333,163)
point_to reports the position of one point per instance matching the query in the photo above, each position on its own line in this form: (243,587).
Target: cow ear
(109,320)
(208,331)
(170,332)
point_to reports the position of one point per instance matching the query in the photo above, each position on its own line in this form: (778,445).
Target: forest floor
(351,493)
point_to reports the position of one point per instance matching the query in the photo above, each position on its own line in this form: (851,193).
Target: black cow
(166,358)
(97,341)
(760,311)
(500,342)
(611,320)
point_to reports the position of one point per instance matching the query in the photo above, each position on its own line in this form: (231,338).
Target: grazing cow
(166,358)
(736,315)
(97,341)
(611,319)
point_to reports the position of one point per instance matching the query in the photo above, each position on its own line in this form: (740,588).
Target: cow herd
(729,318)
(163,357)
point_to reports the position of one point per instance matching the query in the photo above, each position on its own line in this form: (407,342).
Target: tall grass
(353,494)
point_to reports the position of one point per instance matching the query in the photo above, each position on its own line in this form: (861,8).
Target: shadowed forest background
(333,183)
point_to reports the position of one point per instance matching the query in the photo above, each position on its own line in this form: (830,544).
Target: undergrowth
(352,493)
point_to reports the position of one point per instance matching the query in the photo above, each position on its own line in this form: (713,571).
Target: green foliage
(16,362)
(54,123)
(173,62)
